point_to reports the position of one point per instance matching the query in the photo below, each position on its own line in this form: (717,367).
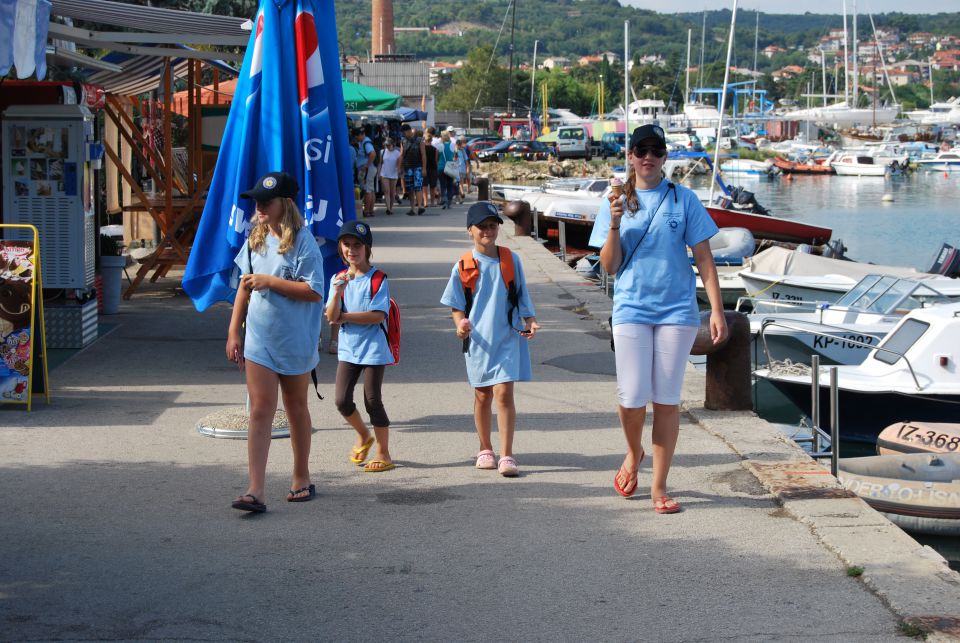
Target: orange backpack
(391,325)
(470,273)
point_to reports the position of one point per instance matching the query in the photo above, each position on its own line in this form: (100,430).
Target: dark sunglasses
(642,150)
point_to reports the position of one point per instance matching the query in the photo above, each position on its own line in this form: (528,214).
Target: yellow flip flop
(359,454)
(382,466)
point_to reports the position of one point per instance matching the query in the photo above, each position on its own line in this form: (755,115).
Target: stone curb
(913,580)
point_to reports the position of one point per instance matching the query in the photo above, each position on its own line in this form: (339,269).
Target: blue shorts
(413,178)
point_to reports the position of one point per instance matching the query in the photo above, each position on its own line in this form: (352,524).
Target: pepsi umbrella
(287,114)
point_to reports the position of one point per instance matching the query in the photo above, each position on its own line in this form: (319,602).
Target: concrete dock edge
(913,580)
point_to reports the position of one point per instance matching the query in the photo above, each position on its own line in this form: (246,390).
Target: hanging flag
(287,115)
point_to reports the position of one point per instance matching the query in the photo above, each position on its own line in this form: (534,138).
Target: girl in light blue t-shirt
(274,331)
(360,302)
(643,237)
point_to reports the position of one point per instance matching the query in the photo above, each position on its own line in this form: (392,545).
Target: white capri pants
(650,362)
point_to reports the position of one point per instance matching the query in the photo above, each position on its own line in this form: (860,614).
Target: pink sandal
(508,467)
(486,460)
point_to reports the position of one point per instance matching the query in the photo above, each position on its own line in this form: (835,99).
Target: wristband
(612,228)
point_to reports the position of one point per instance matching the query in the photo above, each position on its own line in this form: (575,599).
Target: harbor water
(906,231)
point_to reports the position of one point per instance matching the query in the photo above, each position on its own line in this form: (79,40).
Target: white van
(573,141)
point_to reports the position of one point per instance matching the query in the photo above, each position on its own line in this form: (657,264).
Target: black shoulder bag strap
(623,264)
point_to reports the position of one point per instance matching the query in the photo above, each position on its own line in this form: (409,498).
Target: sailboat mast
(846,58)
(533,82)
(686,91)
(823,70)
(856,73)
(703,44)
(756,44)
(626,86)
(510,77)
(723,101)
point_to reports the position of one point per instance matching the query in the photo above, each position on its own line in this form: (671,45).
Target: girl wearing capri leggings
(643,237)
(360,303)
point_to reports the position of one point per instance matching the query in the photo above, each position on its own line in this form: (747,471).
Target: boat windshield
(900,340)
(886,295)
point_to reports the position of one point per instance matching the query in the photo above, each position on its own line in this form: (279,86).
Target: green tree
(481,82)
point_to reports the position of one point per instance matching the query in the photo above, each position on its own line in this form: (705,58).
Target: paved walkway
(117,524)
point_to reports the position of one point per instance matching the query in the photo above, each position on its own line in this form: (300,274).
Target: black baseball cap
(481,211)
(647,131)
(271,186)
(357,229)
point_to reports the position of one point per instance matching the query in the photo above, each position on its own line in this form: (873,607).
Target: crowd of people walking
(423,168)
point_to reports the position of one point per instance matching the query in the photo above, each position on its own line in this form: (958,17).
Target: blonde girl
(274,331)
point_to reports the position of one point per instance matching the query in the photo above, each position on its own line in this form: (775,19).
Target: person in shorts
(414,157)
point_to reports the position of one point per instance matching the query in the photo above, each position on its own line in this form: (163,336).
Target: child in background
(359,303)
(495,327)
(274,330)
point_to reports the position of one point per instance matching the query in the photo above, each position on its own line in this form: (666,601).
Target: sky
(792,6)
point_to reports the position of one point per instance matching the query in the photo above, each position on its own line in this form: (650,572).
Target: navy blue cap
(357,229)
(272,185)
(481,211)
(647,131)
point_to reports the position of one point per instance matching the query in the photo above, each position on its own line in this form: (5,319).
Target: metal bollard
(834,422)
(815,401)
(483,189)
(519,212)
(562,238)
(728,365)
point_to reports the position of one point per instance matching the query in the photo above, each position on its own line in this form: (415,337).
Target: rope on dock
(788,367)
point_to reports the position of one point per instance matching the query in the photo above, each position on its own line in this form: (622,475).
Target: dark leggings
(347,376)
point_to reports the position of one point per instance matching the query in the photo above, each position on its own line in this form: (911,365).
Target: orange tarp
(223,96)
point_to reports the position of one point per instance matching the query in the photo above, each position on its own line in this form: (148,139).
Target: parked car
(526,150)
(573,141)
(688,142)
(612,144)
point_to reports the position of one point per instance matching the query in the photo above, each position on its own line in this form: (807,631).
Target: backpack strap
(470,273)
(376,280)
(508,273)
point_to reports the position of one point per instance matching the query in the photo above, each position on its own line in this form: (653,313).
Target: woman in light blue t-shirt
(274,331)
(643,238)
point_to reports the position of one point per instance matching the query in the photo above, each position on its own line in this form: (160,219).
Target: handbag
(450,169)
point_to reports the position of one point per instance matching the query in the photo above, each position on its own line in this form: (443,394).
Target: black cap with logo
(481,211)
(357,229)
(271,186)
(647,131)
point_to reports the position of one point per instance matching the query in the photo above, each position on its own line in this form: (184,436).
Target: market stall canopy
(402,114)
(373,101)
(26,25)
(139,74)
(357,97)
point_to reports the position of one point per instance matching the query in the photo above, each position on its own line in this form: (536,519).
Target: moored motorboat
(918,492)
(796,167)
(778,273)
(941,162)
(841,333)
(912,373)
(746,167)
(919,437)
(855,164)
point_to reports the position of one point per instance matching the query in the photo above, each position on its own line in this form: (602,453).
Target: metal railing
(900,355)
(816,433)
